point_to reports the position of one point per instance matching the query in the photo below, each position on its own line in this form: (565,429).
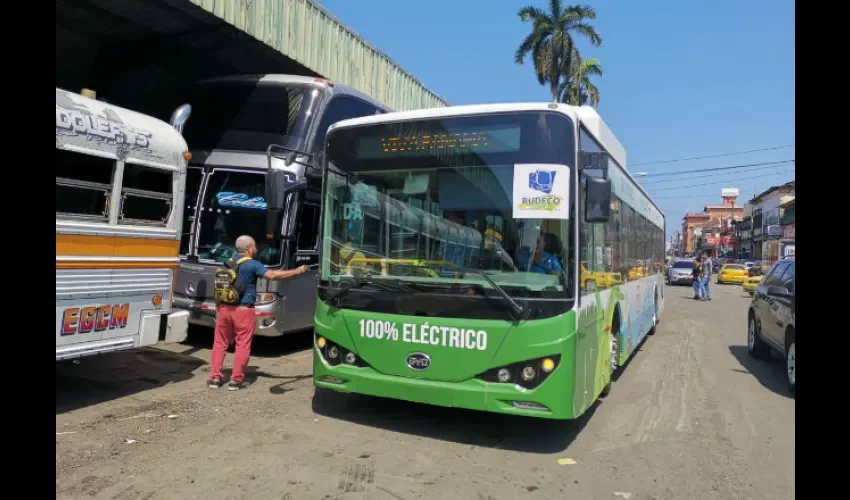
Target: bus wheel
(654,315)
(614,355)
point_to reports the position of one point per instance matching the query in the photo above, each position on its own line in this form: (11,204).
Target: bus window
(340,108)
(232,207)
(146,195)
(243,116)
(83,184)
(308,227)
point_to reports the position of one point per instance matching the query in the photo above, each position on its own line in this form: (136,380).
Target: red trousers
(233,322)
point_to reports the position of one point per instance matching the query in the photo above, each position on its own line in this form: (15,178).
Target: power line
(707,184)
(717,169)
(749,169)
(660,162)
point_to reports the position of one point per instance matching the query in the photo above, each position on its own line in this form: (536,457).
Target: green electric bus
(491,257)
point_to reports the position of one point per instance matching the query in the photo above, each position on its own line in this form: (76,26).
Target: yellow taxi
(601,279)
(732,273)
(637,272)
(751,284)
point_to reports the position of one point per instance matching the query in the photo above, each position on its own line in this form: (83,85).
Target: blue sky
(682,78)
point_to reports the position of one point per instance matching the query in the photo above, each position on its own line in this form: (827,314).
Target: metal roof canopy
(127,48)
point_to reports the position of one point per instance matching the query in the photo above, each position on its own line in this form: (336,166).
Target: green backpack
(228,288)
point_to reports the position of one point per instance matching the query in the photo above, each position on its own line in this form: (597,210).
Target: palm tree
(577,89)
(550,42)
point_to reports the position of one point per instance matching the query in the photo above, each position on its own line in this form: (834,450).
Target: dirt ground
(691,417)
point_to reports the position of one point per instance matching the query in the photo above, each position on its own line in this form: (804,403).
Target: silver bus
(241,127)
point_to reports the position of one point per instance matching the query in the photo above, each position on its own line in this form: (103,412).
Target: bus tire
(614,355)
(654,315)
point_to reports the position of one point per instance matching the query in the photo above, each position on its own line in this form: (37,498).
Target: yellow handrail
(385,262)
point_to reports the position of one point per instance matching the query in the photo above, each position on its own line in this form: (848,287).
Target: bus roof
(332,87)
(599,129)
(97,128)
(472,109)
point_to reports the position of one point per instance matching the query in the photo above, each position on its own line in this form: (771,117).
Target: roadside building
(787,241)
(767,213)
(713,230)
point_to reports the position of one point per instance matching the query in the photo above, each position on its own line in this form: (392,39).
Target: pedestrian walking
(235,293)
(696,277)
(706,277)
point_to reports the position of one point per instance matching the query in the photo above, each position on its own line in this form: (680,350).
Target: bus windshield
(248,116)
(438,202)
(233,205)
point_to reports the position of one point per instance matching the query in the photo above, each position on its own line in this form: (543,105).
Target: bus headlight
(335,355)
(527,374)
(264,298)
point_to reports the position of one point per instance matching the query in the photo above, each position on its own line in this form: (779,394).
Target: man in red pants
(237,322)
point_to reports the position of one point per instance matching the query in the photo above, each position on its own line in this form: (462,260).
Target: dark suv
(771,324)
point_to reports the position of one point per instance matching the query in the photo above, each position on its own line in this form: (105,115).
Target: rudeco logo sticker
(541,191)
(94,319)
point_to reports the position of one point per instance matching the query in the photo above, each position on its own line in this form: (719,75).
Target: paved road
(691,417)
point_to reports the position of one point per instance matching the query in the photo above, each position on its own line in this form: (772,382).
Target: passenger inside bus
(546,258)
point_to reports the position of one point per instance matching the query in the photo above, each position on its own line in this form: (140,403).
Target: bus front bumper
(546,401)
(202,313)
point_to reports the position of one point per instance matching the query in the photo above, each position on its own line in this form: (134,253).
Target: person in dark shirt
(237,322)
(706,276)
(696,275)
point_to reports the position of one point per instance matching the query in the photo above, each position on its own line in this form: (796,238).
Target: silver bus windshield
(249,115)
(232,206)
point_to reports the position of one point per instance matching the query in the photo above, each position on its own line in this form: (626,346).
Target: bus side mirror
(278,185)
(597,200)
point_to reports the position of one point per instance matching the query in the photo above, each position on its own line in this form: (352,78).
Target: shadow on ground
(105,377)
(770,373)
(97,379)
(454,425)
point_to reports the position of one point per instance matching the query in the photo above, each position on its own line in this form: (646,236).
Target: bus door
(302,248)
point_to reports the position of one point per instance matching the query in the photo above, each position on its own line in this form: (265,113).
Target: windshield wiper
(357,283)
(360,282)
(516,308)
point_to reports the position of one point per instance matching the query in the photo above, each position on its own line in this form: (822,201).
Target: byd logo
(418,361)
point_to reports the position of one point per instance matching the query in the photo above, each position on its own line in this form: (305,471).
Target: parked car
(771,324)
(751,283)
(732,273)
(681,272)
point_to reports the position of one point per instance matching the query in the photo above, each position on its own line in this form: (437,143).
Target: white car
(681,272)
